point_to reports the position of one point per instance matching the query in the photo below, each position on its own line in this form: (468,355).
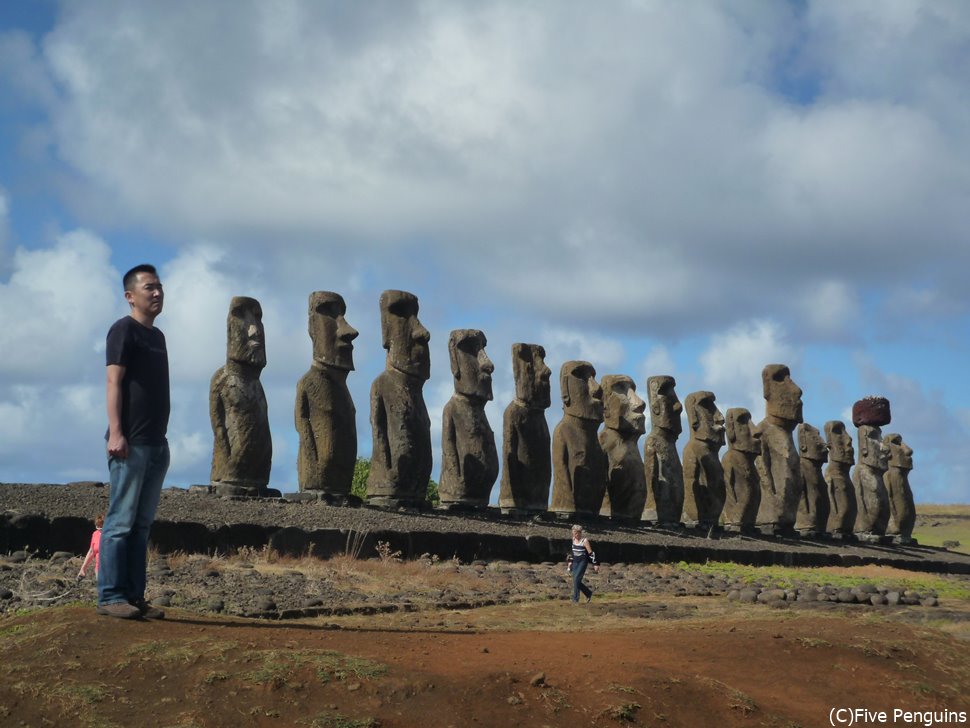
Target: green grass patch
(278,667)
(336,720)
(950,529)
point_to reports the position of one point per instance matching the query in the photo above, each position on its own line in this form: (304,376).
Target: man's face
(531,375)
(623,410)
(470,364)
(747,436)
(665,407)
(246,338)
(782,395)
(146,296)
(332,337)
(582,394)
(840,444)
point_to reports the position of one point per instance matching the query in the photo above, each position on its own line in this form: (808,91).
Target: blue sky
(695,189)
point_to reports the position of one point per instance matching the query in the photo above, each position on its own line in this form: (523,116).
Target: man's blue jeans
(136,486)
(579,571)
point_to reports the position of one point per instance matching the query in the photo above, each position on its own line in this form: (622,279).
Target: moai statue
(901,505)
(869,415)
(624,423)
(704,491)
(742,484)
(401,460)
(526,454)
(242,452)
(578,462)
(661,461)
(813,504)
(842,503)
(325,415)
(778,465)
(469,463)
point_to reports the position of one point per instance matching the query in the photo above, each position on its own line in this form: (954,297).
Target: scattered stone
(215,605)
(5,593)
(538,679)
(930,602)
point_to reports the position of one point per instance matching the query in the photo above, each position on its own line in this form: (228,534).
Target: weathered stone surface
(704,491)
(624,423)
(242,450)
(661,461)
(401,459)
(778,464)
(469,462)
(578,462)
(870,489)
(526,454)
(325,415)
(813,505)
(871,410)
(901,506)
(741,480)
(842,503)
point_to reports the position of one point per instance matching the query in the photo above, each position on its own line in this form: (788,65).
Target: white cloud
(562,345)
(4,228)
(831,309)
(658,361)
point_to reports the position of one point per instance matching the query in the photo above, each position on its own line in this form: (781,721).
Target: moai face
(705,419)
(839,442)
(811,445)
(623,410)
(582,395)
(333,338)
(246,340)
(404,337)
(470,365)
(742,434)
(665,408)
(900,454)
(872,450)
(531,375)
(782,395)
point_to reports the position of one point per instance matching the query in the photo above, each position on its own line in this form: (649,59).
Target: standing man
(138,408)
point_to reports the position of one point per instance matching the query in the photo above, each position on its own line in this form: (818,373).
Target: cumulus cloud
(563,345)
(658,361)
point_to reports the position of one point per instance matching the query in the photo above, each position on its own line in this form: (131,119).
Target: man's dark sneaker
(147,611)
(590,597)
(120,610)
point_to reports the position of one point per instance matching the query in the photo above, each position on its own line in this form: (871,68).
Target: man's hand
(117,447)
(596,568)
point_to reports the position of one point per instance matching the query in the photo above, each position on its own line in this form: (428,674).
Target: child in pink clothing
(93,550)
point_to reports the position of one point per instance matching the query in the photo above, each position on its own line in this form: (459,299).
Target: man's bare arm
(117,444)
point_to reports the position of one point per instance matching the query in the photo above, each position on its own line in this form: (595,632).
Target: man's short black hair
(130,276)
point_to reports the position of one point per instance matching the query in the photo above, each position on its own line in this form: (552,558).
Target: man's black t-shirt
(144,389)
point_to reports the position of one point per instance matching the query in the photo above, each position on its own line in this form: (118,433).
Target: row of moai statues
(762,483)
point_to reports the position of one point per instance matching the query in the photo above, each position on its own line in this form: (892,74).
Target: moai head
(742,434)
(404,337)
(705,419)
(872,451)
(900,454)
(582,395)
(470,365)
(810,444)
(333,338)
(665,408)
(623,410)
(839,442)
(531,375)
(246,340)
(782,395)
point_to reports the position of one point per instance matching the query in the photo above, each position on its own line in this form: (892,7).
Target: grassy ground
(937,525)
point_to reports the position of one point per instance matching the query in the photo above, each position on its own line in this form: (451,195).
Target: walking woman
(579,558)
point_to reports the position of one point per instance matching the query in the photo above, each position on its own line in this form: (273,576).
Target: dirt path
(603,665)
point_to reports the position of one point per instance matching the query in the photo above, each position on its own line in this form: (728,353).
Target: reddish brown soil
(67,666)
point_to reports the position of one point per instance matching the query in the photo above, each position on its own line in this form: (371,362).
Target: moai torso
(526,455)
(778,464)
(742,484)
(870,488)
(813,506)
(242,450)
(325,415)
(469,462)
(401,460)
(704,492)
(842,504)
(626,485)
(901,505)
(662,469)
(579,464)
